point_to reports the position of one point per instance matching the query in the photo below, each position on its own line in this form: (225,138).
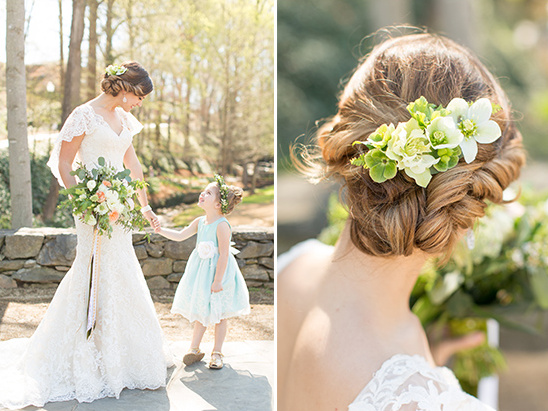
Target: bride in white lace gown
(346,336)
(58,362)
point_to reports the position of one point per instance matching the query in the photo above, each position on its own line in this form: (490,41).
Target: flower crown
(114,70)
(432,141)
(223,191)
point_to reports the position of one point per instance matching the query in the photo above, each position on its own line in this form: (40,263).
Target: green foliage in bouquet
(105,196)
(504,274)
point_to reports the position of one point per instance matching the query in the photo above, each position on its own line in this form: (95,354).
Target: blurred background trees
(212,64)
(321,41)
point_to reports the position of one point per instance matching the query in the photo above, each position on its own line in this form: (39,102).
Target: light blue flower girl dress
(193,298)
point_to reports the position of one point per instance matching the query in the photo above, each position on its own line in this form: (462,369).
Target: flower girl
(212,288)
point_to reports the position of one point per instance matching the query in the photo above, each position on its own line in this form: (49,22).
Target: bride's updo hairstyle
(397,217)
(135,80)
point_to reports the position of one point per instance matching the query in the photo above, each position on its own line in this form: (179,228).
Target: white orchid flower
(475,124)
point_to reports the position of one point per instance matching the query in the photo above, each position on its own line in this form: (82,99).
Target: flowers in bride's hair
(114,70)
(105,196)
(206,249)
(432,141)
(475,124)
(410,148)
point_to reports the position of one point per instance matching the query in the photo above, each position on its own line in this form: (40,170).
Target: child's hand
(157,227)
(216,287)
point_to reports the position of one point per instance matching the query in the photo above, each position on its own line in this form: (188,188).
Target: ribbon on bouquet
(93,283)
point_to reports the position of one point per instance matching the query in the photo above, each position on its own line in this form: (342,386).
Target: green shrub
(40,180)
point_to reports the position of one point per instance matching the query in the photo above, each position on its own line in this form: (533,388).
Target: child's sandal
(192,356)
(216,362)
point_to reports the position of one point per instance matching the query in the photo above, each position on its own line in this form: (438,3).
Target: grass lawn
(263,195)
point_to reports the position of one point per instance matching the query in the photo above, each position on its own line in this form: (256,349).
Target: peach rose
(113,216)
(107,183)
(101,195)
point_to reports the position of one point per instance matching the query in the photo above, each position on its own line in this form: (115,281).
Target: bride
(346,336)
(58,363)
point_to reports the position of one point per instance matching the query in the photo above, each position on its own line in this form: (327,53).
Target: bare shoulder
(304,271)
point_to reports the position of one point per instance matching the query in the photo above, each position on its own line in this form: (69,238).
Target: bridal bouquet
(504,276)
(104,197)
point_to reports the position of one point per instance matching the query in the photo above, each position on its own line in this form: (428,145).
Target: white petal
(480,111)
(469,149)
(488,132)
(422,179)
(455,138)
(458,108)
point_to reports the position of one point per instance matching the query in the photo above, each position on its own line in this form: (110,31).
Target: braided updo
(135,80)
(397,216)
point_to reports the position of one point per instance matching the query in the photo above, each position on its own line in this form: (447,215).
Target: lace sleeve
(132,124)
(80,121)
(408,383)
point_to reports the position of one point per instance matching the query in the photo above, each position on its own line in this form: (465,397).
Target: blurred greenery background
(321,41)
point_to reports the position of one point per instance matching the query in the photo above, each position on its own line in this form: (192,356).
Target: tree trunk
(254,177)
(92,51)
(61,50)
(20,182)
(130,29)
(109,32)
(186,132)
(71,95)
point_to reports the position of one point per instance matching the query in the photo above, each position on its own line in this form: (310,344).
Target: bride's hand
(445,348)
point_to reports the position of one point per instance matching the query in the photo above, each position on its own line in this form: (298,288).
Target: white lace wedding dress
(404,382)
(58,363)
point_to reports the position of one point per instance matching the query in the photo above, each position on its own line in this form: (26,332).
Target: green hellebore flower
(449,158)
(380,137)
(381,168)
(422,111)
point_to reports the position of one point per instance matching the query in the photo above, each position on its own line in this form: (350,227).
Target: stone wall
(40,257)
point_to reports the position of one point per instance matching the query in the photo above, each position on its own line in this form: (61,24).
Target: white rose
(112,196)
(206,249)
(91,184)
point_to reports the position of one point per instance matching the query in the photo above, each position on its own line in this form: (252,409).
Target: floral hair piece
(223,192)
(432,141)
(114,70)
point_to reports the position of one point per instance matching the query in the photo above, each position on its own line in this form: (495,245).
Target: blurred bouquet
(503,276)
(104,197)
